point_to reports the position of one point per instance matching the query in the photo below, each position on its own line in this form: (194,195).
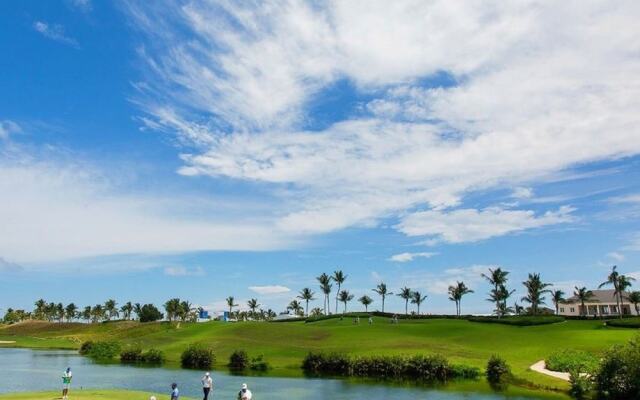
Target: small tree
(366,301)
(231,304)
(306,294)
(634,298)
(111,309)
(70,312)
(535,290)
(296,307)
(381,289)
(583,295)
(149,313)
(417,298)
(405,294)
(557,296)
(344,296)
(253,306)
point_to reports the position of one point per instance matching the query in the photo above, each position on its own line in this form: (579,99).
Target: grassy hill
(285,344)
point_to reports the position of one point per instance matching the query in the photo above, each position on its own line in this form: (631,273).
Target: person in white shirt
(66,383)
(245,393)
(207,385)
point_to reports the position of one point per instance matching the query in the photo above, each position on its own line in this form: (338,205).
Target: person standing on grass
(245,393)
(175,393)
(207,385)
(66,383)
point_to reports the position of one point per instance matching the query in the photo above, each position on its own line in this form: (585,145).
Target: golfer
(66,383)
(245,393)
(207,385)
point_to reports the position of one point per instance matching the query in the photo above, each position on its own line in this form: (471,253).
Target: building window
(561,309)
(614,309)
(605,309)
(572,310)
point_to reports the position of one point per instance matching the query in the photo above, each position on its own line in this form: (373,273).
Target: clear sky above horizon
(151,150)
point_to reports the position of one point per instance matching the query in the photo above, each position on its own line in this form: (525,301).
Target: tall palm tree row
(325,286)
(339,277)
(499,294)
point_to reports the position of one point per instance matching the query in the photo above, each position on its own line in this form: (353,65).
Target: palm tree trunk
(337,294)
(382,303)
(406,307)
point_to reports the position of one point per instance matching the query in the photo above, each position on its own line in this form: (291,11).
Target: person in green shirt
(66,383)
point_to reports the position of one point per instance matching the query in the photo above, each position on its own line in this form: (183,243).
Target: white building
(601,304)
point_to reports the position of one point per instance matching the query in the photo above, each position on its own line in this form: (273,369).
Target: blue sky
(203,150)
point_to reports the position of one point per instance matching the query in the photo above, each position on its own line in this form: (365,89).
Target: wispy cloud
(81,5)
(269,289)
(6,266)
(616,256)
(8,128)
(55,32)
(183,271)
(406,257)
(239,92)
(471,225)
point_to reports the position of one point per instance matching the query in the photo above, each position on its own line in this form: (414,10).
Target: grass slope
(84,395)
(285,344)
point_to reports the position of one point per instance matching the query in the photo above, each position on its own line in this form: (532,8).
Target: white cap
(206,374)
(244,385)
(152,398)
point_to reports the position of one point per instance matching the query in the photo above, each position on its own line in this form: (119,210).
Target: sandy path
(7,341)
(541,367)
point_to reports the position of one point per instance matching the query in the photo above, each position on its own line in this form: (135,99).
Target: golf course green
(84,395)
(284,345)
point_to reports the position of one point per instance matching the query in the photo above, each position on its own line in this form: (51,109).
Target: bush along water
(239,360)
(498,372)
(197,356)
(580,384)
(103,350)
(427,368)
(136,355)
(618,376)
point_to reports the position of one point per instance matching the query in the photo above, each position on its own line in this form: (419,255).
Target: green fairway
(285,344)
(84,395)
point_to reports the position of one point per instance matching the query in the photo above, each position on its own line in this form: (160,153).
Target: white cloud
(438,283)
(8,128)
(183,271)
(269,290)
(405,257)
(82,5)
(524,100)
(54,32)
(64,209)
(616,256)
(470,225)
(628,199)
(522,193)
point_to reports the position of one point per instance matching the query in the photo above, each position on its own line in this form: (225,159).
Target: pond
(38,370)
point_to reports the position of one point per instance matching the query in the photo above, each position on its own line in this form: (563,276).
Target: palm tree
(172,308)
(499,296)
(86,313)
(634,298)
(110,309)
(97,313)
(231,304)
(40,310)
(583,295)
(557,297)
(59,313)
(316,312)
(497,277)
(126,310)
(70,312)
(366,301)
(455,294)
(306,294)
(417,299)
(624,283)
(381,289)
(614,280)
(295,307)
(339,277)
(186,311)
(405,294)
(535,290)
(137,308)
(253,305)
(325,286)
(345,297)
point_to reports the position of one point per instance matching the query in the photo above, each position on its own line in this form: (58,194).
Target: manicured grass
(84,395)
(285,344)
(625,323)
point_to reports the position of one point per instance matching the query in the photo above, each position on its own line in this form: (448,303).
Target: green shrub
(131,355)
(150,313)
(580,384)
(618,376)
(259,364)
(625,323)
(197,356)
(239,360)
(570,360)
(135,355)
(418,367)
(85,347)
(498,371)
(100,350)
(153,356)
(525,320)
